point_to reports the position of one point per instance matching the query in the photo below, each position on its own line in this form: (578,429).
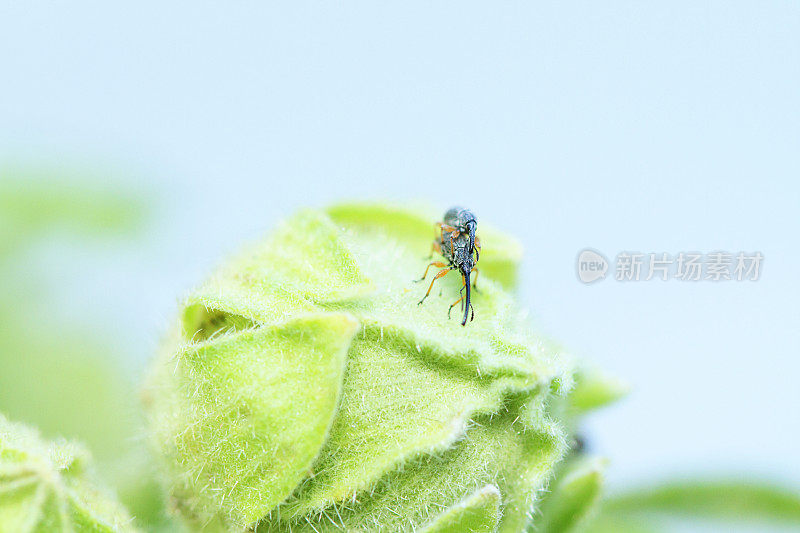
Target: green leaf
(477,513)
(498,448)
(426,411)
(46,487)
(249,413)
(303,265)
(573,497)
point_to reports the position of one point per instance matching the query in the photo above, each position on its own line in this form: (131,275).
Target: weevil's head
(471,226)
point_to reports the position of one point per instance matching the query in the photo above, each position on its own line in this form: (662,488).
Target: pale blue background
(661,127)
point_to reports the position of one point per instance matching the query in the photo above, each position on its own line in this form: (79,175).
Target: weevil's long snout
(466,274)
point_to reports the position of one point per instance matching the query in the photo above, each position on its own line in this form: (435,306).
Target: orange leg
(437,264)
(444,227)
(475,283)
(437,276)
(453,235)
(477,248)
(460,300)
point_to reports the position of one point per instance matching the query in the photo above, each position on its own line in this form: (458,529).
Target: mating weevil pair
(458,244)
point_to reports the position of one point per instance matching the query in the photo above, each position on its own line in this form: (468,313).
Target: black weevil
(457,243)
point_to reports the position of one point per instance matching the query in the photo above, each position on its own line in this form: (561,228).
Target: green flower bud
(45,487)
(305,390)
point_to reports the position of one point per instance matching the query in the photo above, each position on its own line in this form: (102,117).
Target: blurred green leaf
(712,499)
(595,389)
(611,523)
(54,378)
(41,198)
(573,497)
(736,501)
(34,202)
(60,372)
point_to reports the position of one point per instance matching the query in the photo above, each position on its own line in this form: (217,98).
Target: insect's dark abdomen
(461,248)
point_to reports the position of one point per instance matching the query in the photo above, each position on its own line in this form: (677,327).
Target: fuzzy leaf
(249,413)
(302,265)
(425,411)
(497,449)
(477,513)
(46,487)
